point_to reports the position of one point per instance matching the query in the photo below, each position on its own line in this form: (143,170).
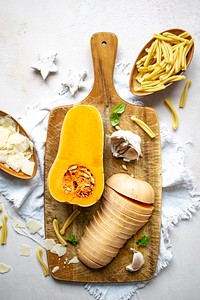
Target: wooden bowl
(133,82)
(33,158)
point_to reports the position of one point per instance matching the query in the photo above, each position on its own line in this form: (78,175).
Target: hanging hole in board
(104,43)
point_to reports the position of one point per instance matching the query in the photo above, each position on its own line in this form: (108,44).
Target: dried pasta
(164,61)
(184,94)
(172,109)
(144,126)
(42,263)
(4,229)
(69,220)
(57,232)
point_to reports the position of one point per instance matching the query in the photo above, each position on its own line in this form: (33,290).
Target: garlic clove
(125,144)
(130,154)
(137,262)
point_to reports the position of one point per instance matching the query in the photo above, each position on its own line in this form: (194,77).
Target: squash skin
(80,148)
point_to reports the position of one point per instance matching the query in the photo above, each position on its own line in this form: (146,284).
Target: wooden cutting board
(148,167)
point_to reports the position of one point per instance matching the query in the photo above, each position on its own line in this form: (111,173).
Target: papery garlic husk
(137,262)
(125,144)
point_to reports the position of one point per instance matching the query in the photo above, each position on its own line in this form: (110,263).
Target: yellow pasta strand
(42,263)
(150,53)
(184,94)
(57,232)
(174,37)
(144,126)
(69,220)
(4,229)
(172,109)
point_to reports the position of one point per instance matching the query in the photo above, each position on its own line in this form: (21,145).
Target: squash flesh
(76,175)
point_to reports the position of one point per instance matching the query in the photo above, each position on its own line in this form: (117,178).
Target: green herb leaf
(119,108)
(114,119)
(144,241)
(72,239)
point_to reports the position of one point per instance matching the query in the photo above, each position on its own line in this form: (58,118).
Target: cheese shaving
(59,249)
(25,250)
(33,226)
(74,260)
(4,268)
(49,244)
(55,269)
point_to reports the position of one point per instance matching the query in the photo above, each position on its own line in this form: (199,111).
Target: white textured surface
(65,27)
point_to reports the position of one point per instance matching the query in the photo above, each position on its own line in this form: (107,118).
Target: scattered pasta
(42,263)
(184,94)
(144,126)
(69,220)
(172,109)
(4,229)
(57,232)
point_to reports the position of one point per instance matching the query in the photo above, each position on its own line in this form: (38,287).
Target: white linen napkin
(179,198)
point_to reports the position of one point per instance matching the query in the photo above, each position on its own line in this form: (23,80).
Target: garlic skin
(137,262)
(125,144)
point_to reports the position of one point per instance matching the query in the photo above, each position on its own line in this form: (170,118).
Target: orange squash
(77,175)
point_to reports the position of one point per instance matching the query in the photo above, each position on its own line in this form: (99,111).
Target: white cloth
(179,199)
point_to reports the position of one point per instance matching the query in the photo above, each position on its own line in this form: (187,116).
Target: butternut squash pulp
(77,174)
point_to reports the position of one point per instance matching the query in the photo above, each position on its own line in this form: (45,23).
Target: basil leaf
(114,119)
(72,239)
(119,108)
(144,241)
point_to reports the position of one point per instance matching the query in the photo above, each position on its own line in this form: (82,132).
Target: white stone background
(65,27)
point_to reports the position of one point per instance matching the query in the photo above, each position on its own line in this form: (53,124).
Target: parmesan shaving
(25,250)
(33,226)
(49,244)
(42,263)
(4,268)
(55,269)
(17,223)
(59,249)
(74,260)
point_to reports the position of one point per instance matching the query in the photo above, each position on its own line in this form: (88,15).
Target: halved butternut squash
(77,174)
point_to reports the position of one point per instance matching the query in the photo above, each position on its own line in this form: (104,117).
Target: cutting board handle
(104,49)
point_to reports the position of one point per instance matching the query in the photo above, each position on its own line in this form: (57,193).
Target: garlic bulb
(125,144)
(137,262)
